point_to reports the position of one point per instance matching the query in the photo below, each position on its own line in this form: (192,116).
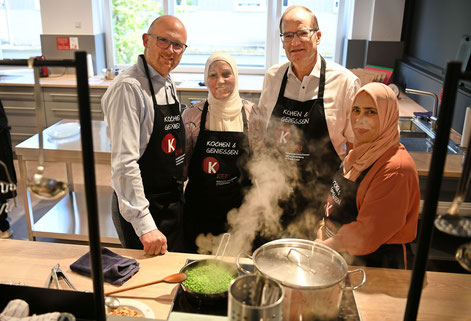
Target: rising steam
(273,179)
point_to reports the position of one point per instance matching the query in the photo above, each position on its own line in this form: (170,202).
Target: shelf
(67,220)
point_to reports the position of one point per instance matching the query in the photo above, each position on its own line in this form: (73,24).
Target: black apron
(216,179)
(341,208)
(298,130)
(161,168)
(7,190)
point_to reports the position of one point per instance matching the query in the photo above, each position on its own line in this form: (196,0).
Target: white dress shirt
(341,85)
(129,120)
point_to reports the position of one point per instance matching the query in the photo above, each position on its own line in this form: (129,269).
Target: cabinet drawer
(70,95)
(58,111)
(16,93)
(192,97)
(21,133)
(20,113)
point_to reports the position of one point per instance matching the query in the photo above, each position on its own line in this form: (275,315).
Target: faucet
(435,104)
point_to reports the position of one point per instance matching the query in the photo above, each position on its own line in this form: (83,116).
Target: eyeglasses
(303,34)
(164,43)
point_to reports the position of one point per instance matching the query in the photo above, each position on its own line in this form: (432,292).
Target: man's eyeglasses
(164,43)
(303,34)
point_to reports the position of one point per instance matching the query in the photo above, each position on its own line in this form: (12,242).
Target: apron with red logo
(298,130)
(216,178)
(341,208)
(161,168)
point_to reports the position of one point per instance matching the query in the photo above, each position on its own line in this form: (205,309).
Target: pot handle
(239,266)
(354,287)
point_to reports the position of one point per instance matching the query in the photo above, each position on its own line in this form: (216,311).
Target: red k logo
(210,165)
(328,206)
(282,135)
(169,143)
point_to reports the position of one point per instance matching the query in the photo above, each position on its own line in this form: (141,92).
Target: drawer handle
(20,108)
(72,110)
(73,95)
(21,134)
(16,94)
(64,95)
(195,100)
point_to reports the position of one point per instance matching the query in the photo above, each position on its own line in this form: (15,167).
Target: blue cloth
(117,269)
(424,115)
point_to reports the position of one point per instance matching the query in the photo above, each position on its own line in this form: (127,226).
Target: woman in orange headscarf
(372,211)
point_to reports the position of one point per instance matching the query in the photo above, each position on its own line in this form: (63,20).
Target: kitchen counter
(184,81)
(445,296)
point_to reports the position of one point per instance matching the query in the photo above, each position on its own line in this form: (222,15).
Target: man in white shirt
(305,105)
(143,123)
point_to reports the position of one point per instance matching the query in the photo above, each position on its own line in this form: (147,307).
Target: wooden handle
(132,287)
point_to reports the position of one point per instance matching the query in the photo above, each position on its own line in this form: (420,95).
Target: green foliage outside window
(130,20)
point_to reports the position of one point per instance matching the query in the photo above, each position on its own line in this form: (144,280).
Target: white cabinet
(62,103)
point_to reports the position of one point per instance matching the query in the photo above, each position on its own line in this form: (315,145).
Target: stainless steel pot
(253,297)
(313,276)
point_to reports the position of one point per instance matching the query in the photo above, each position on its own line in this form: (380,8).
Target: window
(326,12)
(17,38)
(130,20)
(218,26)
(247,29)
(186,4)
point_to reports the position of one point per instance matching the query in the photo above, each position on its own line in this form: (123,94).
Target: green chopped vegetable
(208,278)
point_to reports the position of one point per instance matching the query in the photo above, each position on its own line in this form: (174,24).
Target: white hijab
(224,114)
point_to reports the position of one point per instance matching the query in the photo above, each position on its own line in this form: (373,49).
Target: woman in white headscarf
(373,208)
(217,148)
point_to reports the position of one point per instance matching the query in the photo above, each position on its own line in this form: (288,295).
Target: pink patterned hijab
(363,155)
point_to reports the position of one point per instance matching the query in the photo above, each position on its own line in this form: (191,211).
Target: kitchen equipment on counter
(111,303)
(348,306)
(222,246)
(211,298)
(110,73)
(173,278)
(313,276)
(208,298)
(56,274)
(42,187)
(254,297)
(463,256)
(452,222)
(43,71)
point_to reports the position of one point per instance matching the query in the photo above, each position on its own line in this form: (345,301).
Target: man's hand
(155,243)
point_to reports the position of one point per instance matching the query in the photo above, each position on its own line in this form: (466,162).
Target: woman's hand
(321,235)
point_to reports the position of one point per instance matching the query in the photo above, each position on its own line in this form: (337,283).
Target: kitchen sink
(409,128)
(417,136)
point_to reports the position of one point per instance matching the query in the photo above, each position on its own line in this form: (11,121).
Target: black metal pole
(38,62)
(90,183)
(434,181)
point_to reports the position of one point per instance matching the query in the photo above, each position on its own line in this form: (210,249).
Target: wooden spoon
(173,278)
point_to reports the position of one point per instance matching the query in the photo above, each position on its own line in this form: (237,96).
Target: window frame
(273,43)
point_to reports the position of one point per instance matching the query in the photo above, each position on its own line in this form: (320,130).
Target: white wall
(378,20)
(387,20)
(70,17)
(362,19)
